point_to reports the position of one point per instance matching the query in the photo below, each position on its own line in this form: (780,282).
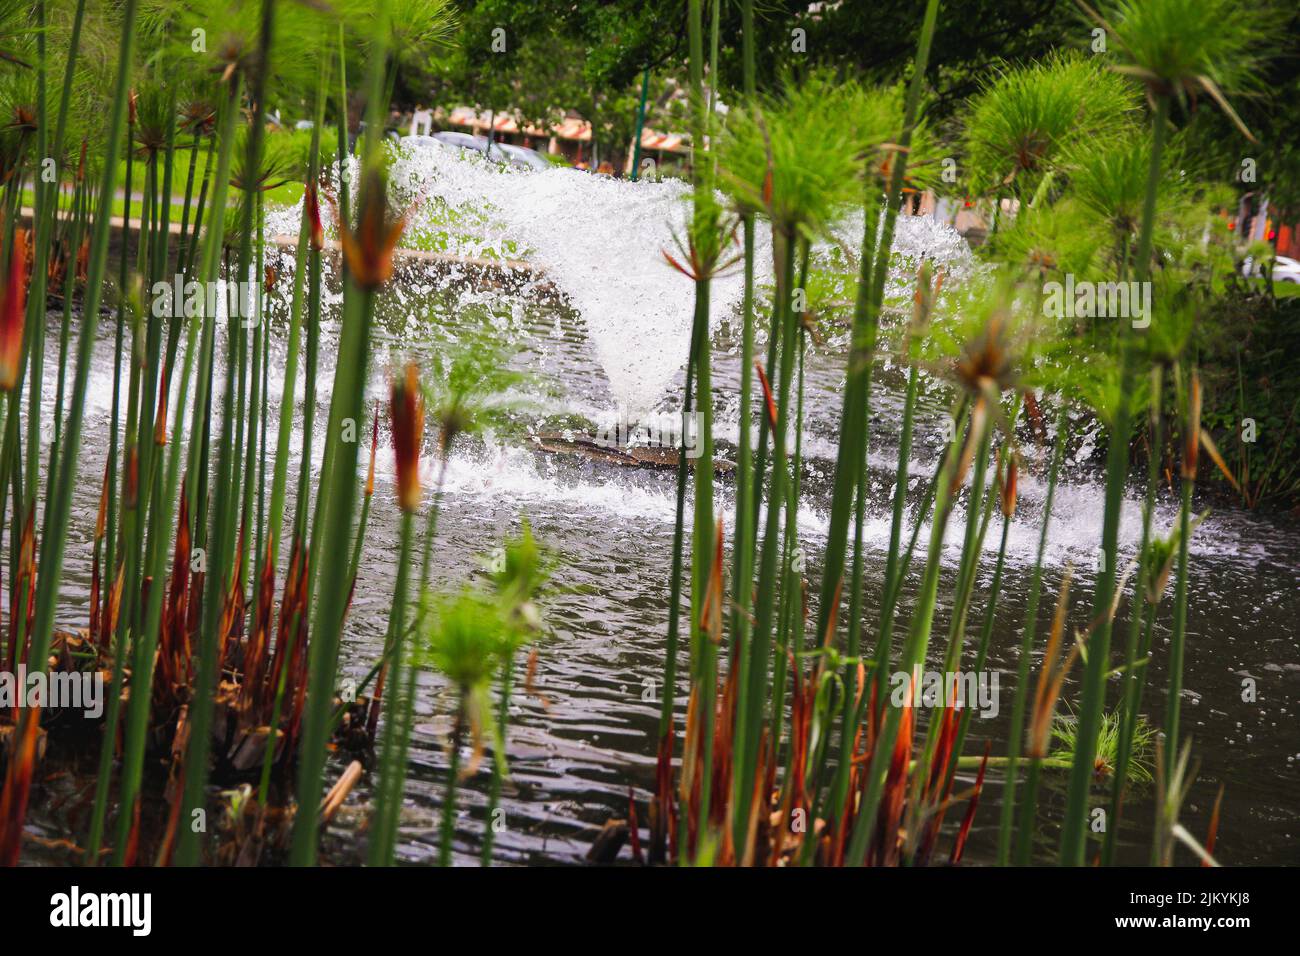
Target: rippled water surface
(615,337)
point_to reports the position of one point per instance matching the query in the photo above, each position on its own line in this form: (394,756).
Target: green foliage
(988,330)
(521,574)
(466,638)
(1251,370)
(416,28)
(1109,179)
(1049,241)
(1024,117)
(284,160)
(1065,731)
(1180,48)
(1069,127)
(469,381)
(795,157)
(539,76)
(223,35)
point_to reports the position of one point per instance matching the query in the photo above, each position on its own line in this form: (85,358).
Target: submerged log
(634,456)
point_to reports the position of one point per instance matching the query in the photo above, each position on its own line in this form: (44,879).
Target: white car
(421,140)
(520,157)
(1286,269)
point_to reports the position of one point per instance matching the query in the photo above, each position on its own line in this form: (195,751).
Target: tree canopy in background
(542,58)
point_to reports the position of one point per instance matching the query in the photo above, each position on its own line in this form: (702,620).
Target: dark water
(586,736)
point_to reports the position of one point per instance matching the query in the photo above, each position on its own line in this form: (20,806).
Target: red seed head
(1192,433)
(374,447)
(1009,485)
(160,421)
(369,251)
(406,408)
(83,260)
(13,311)
(313,218)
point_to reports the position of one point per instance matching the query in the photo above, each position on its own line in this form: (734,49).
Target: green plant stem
(914,648)
(1178,639)
(743,546)
(1021,699)
(499,759)
(1074,827)
(448,827)
(222,575)
(59,508)
(1131,692)
(388,803)
(768,581)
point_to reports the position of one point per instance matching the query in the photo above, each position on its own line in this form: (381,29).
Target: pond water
(615,337)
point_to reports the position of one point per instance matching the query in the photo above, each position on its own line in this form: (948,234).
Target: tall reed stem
(339,492)
(1021,700)
(1178,640)
(223,574)
(1131,691)
(1074,828)
(58,510)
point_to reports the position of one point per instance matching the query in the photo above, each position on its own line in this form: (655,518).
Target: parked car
(1286,269)
(422,140)
(477,144)
(522,156)
(505,153)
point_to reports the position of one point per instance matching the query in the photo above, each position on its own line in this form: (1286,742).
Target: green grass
(1282,290)
(119,203)
(286,194)
(1065,731)
(452,235)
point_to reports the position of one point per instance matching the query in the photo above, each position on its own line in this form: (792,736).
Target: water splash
(600,243)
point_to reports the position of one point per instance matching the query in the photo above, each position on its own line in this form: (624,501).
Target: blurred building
(569,137)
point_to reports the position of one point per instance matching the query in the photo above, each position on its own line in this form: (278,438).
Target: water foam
(601,243)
